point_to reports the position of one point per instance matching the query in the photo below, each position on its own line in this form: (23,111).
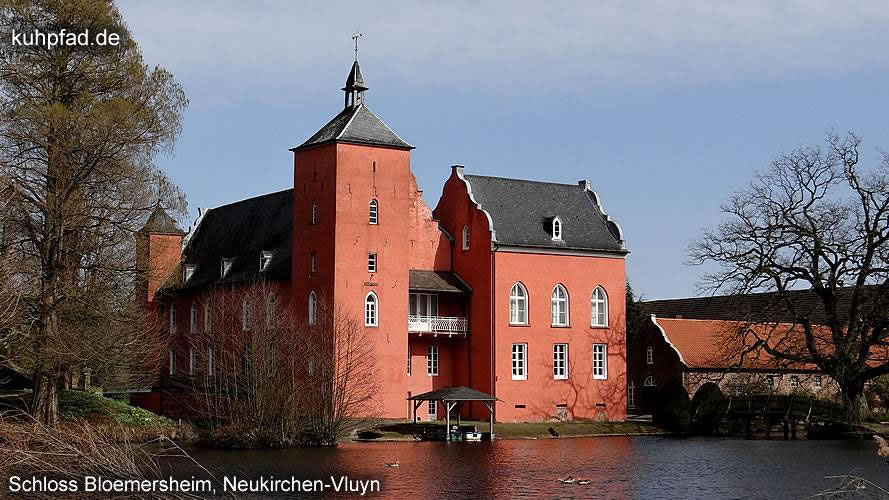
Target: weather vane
(355,37)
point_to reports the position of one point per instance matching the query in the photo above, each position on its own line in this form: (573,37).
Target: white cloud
(517,44)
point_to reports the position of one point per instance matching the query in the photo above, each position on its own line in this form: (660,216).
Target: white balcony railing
(437,325)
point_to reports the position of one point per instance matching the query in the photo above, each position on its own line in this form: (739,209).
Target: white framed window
(794,382)
(631,395)
(371,262)
(265,258)
(373,216)
(423,304)
(193,318)
(371,313)
(600,361)
(313,308)
(649,355)
(560,306)
(208,318)
(518,305)
(770,379)
(432,360)
(313,262)
(465,237)
(818,381)
(271,311)
(599,307)
(314,212)
(432,410)
(649,382)
(173,317)
(188,272)
(224,267)
(560,361)
(172,367)
(246,314)
(520,361)
(557,229)
(191,361)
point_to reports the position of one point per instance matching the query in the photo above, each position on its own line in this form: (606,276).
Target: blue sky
(667,107)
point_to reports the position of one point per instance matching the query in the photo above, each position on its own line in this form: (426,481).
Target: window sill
(600,377)
(520,378)
(599,327)
(431,374)
(560,326)
(520,325)
(560,378)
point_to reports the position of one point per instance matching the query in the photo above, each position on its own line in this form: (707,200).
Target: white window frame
(372,262)
(649,355)
(313,262)
(518,304)
(520,361)
(794,382)
(599,307)
(631,395)
(172,367)
(225,266)
(649,382)
(818,382)
(188,273)
(465,237)
(432,410)
(560,361)
(416,300)
(173,317)
(600,361)
(373,215)
(432,360)
(265,258)
(313,308)
(371,310)
(557,229)
(314,212)
(555,304)
(193,318)
(246,315)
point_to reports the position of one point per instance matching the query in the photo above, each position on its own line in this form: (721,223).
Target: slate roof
(436,281)
(355,125)
(523,212)
(242,231)
(159,222)
(766,306)
(454,393)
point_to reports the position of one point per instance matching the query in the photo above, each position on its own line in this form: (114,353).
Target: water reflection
(618,467)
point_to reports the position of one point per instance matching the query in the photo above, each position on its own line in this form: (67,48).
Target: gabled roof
(356,125)
(522,213)
(436,281)
(159,222)
(242,231)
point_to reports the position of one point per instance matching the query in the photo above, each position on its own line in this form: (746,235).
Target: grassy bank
(408,431)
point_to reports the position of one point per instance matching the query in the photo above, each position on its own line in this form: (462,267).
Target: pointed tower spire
(355,86)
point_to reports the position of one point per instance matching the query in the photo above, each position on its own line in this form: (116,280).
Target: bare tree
(79,128)
(813,221)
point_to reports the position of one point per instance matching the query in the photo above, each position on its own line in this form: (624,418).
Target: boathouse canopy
(454,397)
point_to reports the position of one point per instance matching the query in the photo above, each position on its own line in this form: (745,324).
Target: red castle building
(511,287)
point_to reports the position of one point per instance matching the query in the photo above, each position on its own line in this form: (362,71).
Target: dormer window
(225,267)
(264,260)
(557,229)
(188,272)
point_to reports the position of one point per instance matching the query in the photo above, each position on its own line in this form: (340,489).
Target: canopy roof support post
(490,406)
(447,420)
(417,404)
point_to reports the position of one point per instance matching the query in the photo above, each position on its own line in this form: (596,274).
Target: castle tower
(158,250)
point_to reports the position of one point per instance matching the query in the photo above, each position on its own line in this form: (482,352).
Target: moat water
(617,467)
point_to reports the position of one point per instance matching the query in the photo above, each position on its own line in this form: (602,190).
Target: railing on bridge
(437,325)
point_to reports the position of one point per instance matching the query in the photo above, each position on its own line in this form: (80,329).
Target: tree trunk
(854,402)
(45,404)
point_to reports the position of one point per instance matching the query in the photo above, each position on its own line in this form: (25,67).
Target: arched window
(518,305)
(649,382)
(271,311)
(557,228)
(465,237)
(649,355)
(193,318)
(373,216)
(208,319)
(371,312)
(599,307)
(314,212)
(313,308)
(246,315)
(560,306)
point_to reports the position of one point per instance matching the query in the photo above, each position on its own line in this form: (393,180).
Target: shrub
(673,408)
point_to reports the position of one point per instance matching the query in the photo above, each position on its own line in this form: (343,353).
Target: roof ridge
(355,111)
(250,199)
(522,180)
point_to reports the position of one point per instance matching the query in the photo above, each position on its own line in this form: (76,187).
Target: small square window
(372,262)
(225,267)
(264,260)
(188,272)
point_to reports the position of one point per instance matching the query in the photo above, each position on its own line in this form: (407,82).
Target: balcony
(437,325)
